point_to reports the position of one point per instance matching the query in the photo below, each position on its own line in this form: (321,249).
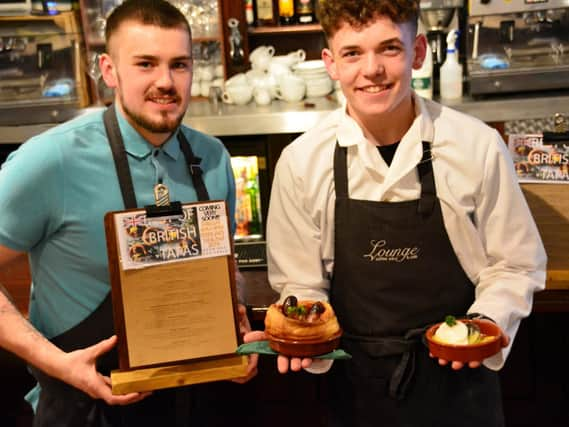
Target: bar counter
(285,118)
(282,117)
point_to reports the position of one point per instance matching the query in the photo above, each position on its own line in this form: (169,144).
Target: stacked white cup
(206,75)
(237,90)
(291,88)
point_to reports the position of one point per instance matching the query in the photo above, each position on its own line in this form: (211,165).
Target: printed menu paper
(173,314)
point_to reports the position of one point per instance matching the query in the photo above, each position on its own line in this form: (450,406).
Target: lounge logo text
(381,252)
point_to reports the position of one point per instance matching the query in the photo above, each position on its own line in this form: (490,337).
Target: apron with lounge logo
(395,272)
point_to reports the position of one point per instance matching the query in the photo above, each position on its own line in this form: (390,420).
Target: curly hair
(358,13)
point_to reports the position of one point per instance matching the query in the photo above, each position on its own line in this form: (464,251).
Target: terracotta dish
(469,352)
(304,348)
(304,334)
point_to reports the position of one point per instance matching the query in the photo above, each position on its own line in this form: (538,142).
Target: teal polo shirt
(55,190)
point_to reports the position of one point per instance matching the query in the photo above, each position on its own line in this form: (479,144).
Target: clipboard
(174,296)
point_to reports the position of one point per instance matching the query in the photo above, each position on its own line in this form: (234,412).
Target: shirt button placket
(157,166)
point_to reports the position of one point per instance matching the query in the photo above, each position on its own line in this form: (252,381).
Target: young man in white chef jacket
(391,171)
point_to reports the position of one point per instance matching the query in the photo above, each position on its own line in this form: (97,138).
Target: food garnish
(458,332)
(292,309)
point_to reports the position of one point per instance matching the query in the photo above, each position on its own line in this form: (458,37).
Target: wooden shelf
(285,29)
(67,21)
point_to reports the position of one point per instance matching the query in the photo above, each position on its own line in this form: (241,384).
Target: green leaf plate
(262,347)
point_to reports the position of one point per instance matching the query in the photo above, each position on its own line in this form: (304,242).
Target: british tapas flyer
(201,232)
(538,162)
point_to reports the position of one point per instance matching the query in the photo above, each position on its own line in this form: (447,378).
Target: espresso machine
(517,46)
(437,18)
(41,77)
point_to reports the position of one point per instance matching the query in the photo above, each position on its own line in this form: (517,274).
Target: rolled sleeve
(516,258)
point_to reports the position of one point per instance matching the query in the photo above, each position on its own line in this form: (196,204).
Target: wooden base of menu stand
(146,379)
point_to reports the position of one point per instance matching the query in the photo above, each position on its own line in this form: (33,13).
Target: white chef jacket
(485,213)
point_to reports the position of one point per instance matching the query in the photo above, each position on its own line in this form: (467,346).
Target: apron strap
(194,167)
(424,168)
(119,156)
(405,370)
(341,171)
(427,178)
(405,346)
(123,169)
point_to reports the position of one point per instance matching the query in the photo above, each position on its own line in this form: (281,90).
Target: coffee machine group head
(437,18)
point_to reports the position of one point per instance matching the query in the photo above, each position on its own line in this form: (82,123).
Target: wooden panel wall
(16,279)
(549,204)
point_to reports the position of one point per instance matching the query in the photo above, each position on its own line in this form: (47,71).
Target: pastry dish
(302,328)
(464,340)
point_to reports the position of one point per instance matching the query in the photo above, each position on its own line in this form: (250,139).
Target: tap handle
(236,53)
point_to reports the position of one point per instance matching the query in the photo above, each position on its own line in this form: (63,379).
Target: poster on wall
(539,162)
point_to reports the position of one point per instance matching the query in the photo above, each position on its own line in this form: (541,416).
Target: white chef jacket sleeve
(294,237)
(516,259)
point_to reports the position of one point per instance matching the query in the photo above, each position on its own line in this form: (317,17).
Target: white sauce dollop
(456,334)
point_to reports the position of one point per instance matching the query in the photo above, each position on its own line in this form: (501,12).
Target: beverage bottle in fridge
(242,204)
(254,200)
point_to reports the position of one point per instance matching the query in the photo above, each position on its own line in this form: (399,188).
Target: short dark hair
(160,13)
(358,13)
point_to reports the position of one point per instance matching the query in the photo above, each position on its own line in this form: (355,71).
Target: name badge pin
(161,195)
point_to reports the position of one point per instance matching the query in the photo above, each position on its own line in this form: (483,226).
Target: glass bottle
(286,12)
(254,200)
(265,12)
(304,10)
(242,203)
(249,13)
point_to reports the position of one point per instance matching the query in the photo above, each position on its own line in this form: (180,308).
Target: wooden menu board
(174,297)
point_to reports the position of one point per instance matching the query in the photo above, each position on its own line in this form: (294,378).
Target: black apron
(62,405)
(395,272)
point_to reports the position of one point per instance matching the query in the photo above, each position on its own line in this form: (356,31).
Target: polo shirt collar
(137,146)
